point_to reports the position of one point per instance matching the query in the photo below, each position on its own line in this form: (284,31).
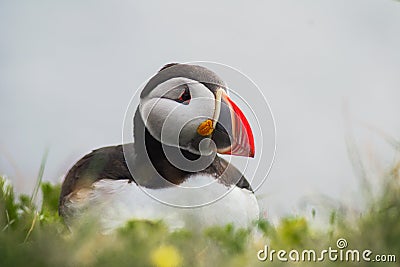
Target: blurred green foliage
(37,237)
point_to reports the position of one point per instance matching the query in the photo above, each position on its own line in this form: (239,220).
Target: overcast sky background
(69,68)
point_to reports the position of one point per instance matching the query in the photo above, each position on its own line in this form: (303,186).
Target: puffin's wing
(228,174)
(103,163)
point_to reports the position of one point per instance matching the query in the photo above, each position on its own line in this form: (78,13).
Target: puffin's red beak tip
(243,139)
(252,154)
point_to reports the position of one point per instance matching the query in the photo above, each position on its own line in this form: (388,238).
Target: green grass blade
(39,177)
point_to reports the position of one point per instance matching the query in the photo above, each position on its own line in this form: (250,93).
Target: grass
(37,237)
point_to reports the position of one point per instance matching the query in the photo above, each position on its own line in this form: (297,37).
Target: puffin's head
(187,106)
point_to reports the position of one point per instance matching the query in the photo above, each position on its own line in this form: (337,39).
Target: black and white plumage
(184,110)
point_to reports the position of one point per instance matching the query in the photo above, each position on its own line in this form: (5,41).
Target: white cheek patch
(180,125)
(150,111)
(173,123)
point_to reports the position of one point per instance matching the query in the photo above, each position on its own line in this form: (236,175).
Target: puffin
(177,169)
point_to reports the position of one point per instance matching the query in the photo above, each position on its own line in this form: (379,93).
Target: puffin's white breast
(117,201)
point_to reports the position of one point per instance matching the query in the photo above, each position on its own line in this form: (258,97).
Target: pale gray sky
(69,68)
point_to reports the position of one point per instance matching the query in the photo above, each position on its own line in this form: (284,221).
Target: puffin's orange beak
(232,134)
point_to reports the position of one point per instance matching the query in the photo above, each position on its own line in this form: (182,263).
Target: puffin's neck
(148,148)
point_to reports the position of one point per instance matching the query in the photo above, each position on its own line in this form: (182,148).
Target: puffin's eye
(185,96)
